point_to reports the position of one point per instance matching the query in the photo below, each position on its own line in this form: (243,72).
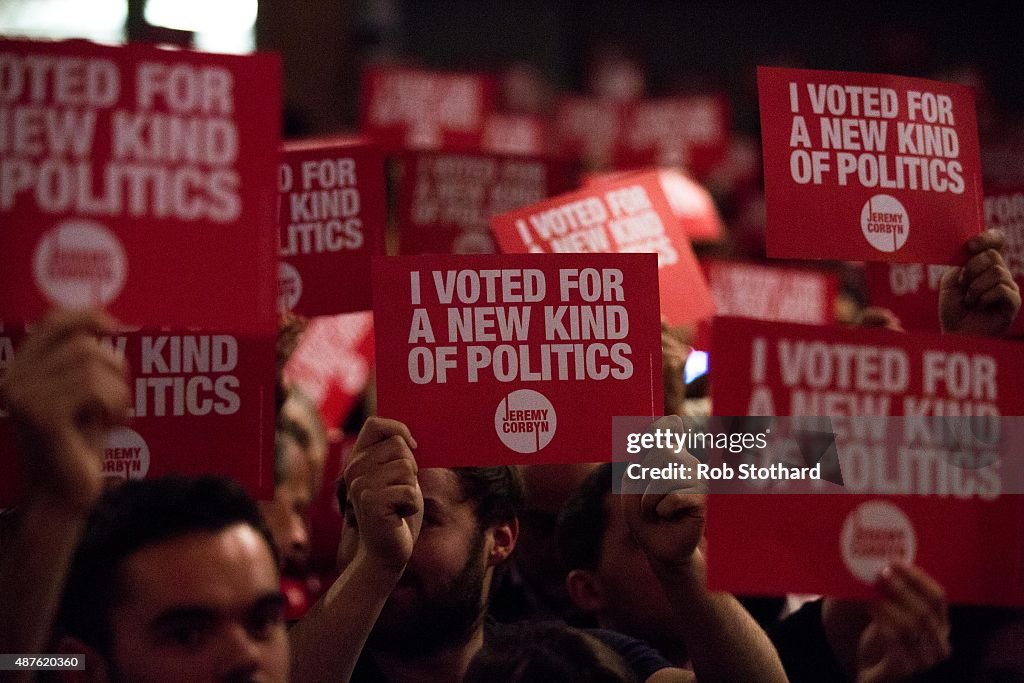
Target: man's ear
(96,669)
(585,589)
(503,541)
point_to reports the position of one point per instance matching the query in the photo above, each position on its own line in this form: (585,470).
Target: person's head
(470,525)
(547,652)
(608,575)
(300,417)
(175,579)
(548,488)
(287,515)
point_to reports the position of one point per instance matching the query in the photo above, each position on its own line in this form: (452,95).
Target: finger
(903,631)
(82,351)
(61,374)
(391,449)
(61,324)
(391,473)
(917,624)
(106,397)
(923,585)
(653,457)
(400,501)
(985,281)
(993,238)
(1003,295)
(678,505)
(377,429)
(629,486)
(678,502)
(951,278)
(979,263)
(893,583)
(654,490)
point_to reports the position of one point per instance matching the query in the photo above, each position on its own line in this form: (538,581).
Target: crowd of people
(536,573)
(477,574)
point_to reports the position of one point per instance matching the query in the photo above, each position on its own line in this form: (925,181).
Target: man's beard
(438,622)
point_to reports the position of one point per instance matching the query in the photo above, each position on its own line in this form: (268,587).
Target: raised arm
(64,391)
(667,520)
(383,514)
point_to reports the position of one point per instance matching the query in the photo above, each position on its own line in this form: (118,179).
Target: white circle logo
(125,455)
(885,223)
(874,535)
(80,264)
(289,284)
(525,421)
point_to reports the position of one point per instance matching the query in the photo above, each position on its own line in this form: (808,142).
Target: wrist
(687,572)
(377,569)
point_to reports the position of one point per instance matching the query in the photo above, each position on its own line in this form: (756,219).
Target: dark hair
(583,521)
(135,515)
(496,493)
(547,652)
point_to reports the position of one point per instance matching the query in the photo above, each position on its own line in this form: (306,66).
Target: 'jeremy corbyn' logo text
(525,421)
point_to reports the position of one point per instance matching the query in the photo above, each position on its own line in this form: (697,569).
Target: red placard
(519,134)
(505,359)
(691,204)
(835,544)
(627,214)
(446,200)
(754,290)
(331,219)
(690,132)
(821,544)
(787,369)
(868,167)
(417,109)
(1004,209)
(911,291)
(202,403)
(129,174)
(332,363)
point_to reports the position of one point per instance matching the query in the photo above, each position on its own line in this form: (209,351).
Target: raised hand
(981,297)
(65,390)
(384,501)
(909,628)
(666,516)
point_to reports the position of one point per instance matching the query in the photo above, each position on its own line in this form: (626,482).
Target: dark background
(683,45)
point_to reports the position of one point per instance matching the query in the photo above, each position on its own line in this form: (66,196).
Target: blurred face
(617,77)
(287,515)
(306,417)
(439,601)
(634,602)
(202,607)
